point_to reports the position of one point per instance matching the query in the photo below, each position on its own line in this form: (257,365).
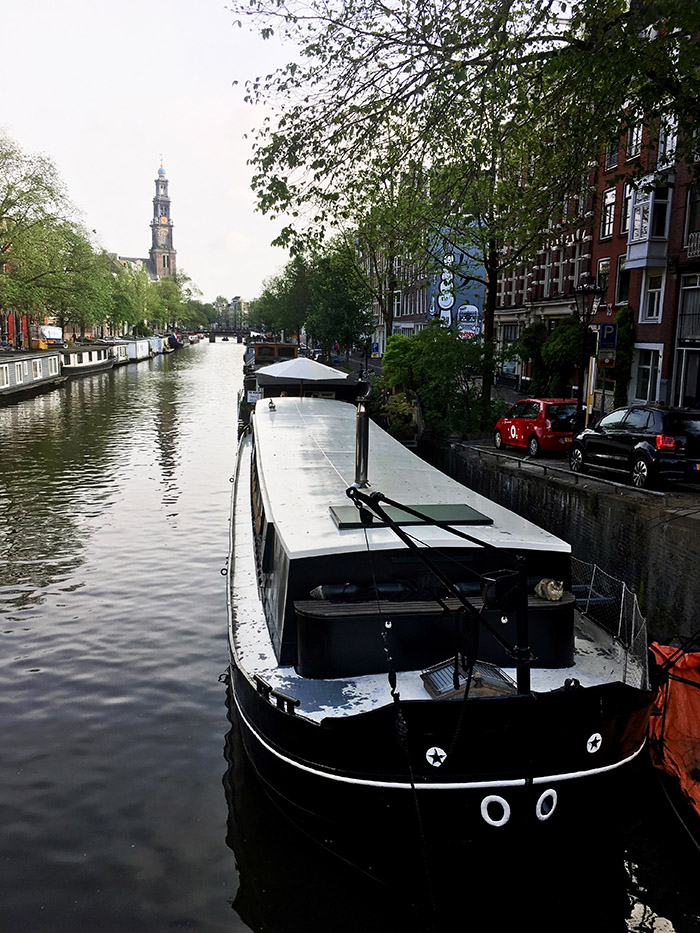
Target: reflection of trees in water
(167,438)
(55,471)
(290,881)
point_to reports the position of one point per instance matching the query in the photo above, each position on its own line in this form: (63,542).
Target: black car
(647,442)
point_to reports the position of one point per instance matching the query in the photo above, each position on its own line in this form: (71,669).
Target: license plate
(567,440)
(696,466)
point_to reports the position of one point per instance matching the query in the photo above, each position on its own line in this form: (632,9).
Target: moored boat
(408,656)
(24,373)
(84,359)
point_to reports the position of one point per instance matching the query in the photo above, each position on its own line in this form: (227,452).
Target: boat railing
(611,603)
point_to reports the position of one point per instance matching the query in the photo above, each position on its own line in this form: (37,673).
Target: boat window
(256,495)
(4,376)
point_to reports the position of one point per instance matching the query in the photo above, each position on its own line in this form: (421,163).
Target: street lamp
(588,297)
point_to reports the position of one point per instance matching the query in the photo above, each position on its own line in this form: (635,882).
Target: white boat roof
(306,461)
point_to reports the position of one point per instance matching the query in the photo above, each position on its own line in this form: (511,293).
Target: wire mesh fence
(614,607)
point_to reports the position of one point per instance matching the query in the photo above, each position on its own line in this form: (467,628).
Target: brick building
(640,240)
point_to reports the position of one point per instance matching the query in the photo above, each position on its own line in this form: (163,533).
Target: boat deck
(598,658)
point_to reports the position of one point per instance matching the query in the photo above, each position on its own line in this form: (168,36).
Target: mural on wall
(455,304)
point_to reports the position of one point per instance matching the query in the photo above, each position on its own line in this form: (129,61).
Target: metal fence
(613,605)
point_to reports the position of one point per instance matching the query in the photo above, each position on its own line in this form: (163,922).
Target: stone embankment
(651,540)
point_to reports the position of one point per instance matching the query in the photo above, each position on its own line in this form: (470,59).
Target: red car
(539,424)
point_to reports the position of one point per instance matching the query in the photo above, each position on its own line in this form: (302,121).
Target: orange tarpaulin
(674,727)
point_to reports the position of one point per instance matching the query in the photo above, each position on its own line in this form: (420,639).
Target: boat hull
(87,369)
(513,765)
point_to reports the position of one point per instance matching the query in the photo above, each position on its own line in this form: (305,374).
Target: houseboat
(117,347)
(138,349)
(24,373)
(84,359)
(407,658)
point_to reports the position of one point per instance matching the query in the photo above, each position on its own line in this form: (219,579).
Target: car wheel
(533,446)
(498,440)
(641,472)
(577,460)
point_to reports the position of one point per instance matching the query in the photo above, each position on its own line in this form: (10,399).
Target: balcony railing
(693,248)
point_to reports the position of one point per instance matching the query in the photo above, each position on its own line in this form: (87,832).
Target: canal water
(125,804)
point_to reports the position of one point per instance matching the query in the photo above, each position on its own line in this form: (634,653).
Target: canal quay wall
(650,540)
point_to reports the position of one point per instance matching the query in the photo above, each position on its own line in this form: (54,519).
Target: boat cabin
(28,372)
(332,579)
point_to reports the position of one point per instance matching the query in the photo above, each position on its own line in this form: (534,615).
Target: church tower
(162,254)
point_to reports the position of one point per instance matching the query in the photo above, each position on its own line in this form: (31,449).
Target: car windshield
(560,414)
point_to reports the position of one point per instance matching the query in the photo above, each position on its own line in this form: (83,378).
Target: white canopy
(300,369)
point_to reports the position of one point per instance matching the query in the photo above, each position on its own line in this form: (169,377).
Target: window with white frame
(501,290)
(666,149)
(558,273)
(634,140)
(4,376)
(510,333)
(650,212)
(53,366)
(622,281)
(603,277)
(659,211)
(647,374)
(36,369)
(689,326)
(577,261)
(692,218)
(611,154)
(641,208)
(607,213)
(626,212)
(547,273)
(653,296)
(397,304)
(18,372)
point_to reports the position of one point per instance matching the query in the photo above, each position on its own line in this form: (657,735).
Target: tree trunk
(487,369)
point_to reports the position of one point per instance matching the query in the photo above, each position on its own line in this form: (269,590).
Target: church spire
(162,252)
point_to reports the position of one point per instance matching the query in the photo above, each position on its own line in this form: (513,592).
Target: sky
(109,89)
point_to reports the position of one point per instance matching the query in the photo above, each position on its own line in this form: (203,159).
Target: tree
(340,308)
(493,109)
(561,354)
(439,367)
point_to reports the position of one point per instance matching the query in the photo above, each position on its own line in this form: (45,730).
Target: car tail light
(665,442)
(548,424)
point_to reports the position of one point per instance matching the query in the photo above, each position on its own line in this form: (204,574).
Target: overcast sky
(106,88)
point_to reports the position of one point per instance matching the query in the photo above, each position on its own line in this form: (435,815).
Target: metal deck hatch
(487,680)
(347,516)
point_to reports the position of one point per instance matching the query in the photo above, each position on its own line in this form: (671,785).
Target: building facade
(640,242)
